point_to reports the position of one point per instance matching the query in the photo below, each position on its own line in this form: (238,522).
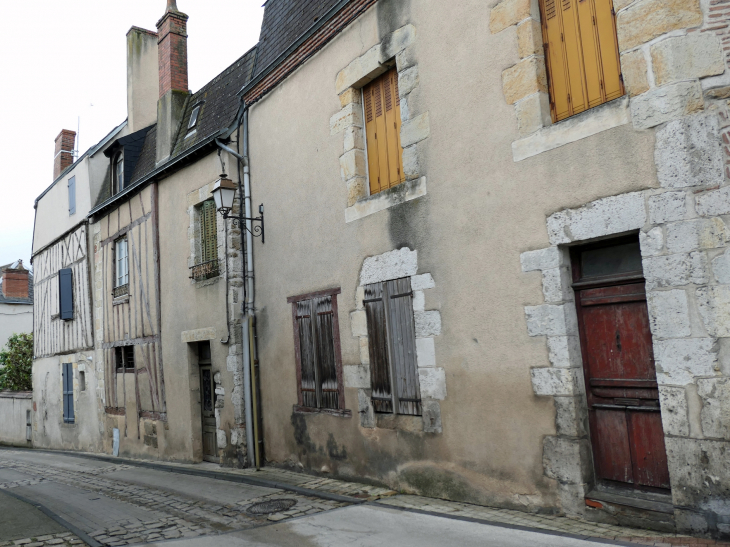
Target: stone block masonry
(391,265)
(684,236)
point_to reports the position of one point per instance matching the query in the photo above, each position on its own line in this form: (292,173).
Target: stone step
(633,509)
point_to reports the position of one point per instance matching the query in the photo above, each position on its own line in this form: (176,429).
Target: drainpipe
(244,192)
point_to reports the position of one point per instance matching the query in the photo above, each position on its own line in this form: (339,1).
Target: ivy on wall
(16,362)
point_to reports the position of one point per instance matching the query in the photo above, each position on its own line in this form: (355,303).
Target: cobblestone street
(100,502)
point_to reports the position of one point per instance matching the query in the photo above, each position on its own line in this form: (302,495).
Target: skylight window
(194,117)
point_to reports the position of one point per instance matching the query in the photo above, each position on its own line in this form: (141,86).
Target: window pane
(611,260)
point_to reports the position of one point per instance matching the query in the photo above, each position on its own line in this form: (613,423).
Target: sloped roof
(218,101)
(284,22)
(4,300)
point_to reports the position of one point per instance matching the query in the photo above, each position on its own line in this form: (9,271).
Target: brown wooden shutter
(209,231)
(382,132)
(327,383)
(374,302)
(308,386)
(402,334)
(581,55)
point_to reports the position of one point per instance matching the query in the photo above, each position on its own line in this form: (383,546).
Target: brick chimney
(15,281)
(65,144)
(172,49)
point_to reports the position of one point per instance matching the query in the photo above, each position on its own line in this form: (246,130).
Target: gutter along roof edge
(291,49)
(90,152)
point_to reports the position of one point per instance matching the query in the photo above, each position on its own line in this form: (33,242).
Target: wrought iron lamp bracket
(257,230)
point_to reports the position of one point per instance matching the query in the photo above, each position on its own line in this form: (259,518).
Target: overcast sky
(65,60)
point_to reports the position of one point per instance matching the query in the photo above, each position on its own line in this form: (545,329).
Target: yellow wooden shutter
(392,125)
(582,55)
(382,131)
(371,138)
(608,42)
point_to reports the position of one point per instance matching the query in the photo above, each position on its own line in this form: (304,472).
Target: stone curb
(83,536)
(203,473)
(545,531)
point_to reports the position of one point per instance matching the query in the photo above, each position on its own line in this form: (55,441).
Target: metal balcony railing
(206,270)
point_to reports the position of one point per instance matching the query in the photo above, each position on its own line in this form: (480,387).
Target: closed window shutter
(66,294)
(374,302)
(382,132)
(371,138)
(68,392)
(315,323)
(308,385)
(402,334)
(325,354)
(608,46)
(209,231)
(582,55)
(72,196)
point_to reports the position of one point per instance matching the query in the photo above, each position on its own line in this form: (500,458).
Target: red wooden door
(621,386)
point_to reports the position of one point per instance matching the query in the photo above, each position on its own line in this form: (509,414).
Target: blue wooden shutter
(72,196)
(68,393)
(66,294)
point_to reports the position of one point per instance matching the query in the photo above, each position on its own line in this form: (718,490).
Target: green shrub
(16,363)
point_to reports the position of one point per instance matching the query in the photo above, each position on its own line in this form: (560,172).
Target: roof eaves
(291,49)
(161,169)
(90,152)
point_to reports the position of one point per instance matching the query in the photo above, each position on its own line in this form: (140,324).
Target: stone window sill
(593,121)
(402,193)
(343,413)
(120,300)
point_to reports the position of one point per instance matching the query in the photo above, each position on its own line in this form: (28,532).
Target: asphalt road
(113,504)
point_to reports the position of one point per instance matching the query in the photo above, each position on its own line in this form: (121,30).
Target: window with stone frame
(317,350)
(207,263)
(381,107)
(582,55)
(392,347)
(121,267)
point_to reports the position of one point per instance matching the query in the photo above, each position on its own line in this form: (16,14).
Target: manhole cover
(271,506)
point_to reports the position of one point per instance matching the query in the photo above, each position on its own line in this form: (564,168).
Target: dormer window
(194,117)
(118,173)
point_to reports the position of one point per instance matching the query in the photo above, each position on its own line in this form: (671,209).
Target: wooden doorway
(618,361)
(207,403)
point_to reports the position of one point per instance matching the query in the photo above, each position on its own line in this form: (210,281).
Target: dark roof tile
(284,22)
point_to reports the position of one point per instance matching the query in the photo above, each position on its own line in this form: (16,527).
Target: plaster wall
(481,209)
(52,213)
(14,408)
(15,319)
(49,429)
(196,311)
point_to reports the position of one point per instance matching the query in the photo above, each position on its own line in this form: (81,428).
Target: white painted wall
(14,318)
(14,407)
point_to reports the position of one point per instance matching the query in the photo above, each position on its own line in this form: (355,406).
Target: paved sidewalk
(338,493)
(385,496)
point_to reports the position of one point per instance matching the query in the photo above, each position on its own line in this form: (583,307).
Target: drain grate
(271,506)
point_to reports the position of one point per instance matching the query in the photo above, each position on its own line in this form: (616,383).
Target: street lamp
(224,192)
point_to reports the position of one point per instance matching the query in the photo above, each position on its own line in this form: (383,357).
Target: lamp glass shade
(224,193)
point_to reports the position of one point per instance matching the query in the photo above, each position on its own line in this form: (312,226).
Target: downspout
(244,192)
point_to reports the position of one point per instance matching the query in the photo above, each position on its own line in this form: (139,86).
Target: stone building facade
(435,332)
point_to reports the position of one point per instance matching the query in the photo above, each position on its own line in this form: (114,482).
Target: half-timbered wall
(52,335)
(132,319)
